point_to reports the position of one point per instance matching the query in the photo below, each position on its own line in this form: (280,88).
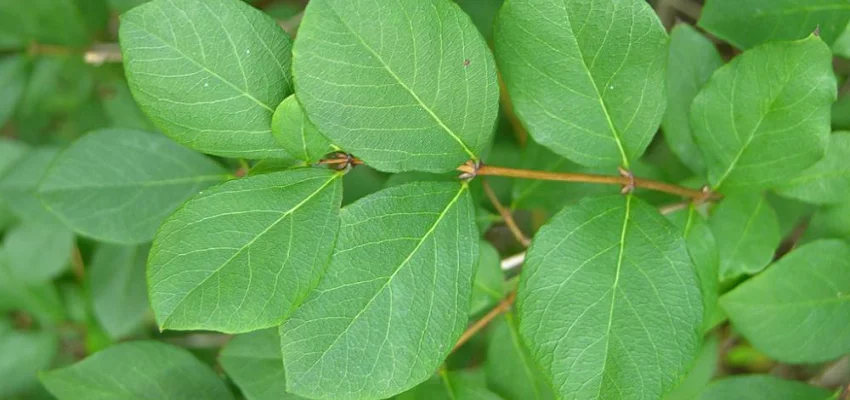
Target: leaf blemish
(466,62)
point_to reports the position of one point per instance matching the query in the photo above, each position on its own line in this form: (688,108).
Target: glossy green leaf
(254,362)
(37,253)
(117,282)
(487,287)
(137,370)
(511,372)
(609,303)
(394,299)
(765,117)
(748,23)
(24,355)
(586,77)
(759,387)
(828,181)
(692,60)
(450,386)
(118,185)
(209,73)
(13,80)
(747,234)
(415,89)
(39,299)
(242,255)
(19,183)
(798,310)
(700,373)
(296,134)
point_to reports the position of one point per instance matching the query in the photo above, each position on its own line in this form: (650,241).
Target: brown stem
(506,215)
(696,195)
(503,306)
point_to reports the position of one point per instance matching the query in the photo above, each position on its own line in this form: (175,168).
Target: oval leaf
(746,230)
(609,302)
(828,181)
(414,89)
(240,256)
(296,134)
(394,299)
(586,77)
(19,184)
(692,60)
(748,23)
(38,253)
(137,370)
(765,116)
(209,73)
(254,362)
(118,185)
(747,387)
(488,285)
(798,310)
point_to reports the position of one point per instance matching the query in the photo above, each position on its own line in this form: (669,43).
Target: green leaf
(609,303)
(483,14)
(117,283)
(747,234)
(58,84)
(830,222)
(118,185)
(39,300)
(59,22)
(24,355)
(791,213)
(119,106)
(749,23)
(208,73)
(36,252)
(11,152)
(296,134)
(487,287)
(700,373)
(510,370)
(798,310)
(415,89)
(702,247)
(758,387)
(254,362)
(394,299)
(585,77)
(13,80)
(692,60)
(242,255)
(841,46)
(765,116)
(18,186)
(828,181)
(137,370)
(450,386)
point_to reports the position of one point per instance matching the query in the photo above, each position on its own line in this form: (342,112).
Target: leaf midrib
(410,91)
(400,266)
(247,245)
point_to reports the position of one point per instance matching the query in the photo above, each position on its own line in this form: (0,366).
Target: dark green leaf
(209,73)
(841,46)
(702,248)
(117,283)
(798,310)
(700,373)
(765,117)
(760,387)
(487,288)
(137,370)
(242,255)
(296,134)
(585,77)
(24,355)
(13,80)
(748,23)
(118,185)
(254,362)
(747,234)
(378,87)
(36,252)
(692,60)
(828,181)
(609,303)
(394,299)
(830,222)
(450,386)
(60,22)
(510,370)
(39,300)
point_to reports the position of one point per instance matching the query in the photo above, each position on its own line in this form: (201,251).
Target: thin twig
(513,261)
(506,215)
(671,208)
(103,53)
(696,195)
(503,306)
